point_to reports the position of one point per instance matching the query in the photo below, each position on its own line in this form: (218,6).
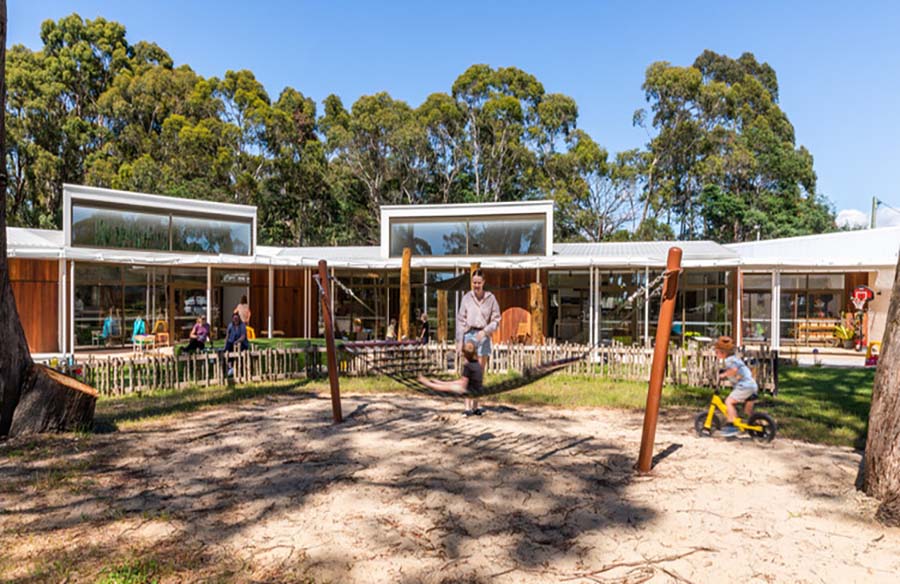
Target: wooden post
(403,333)
(329,344)
(536,303)
(660,356)
(442,316)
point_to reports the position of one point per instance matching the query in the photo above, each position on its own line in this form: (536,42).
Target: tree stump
(52,402)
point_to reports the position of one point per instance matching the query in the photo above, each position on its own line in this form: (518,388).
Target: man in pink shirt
(477,319)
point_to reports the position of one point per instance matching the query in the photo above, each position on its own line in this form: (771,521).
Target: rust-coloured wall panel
(511,287)
(35,287)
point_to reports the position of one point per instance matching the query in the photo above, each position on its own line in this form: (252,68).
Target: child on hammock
(471,382)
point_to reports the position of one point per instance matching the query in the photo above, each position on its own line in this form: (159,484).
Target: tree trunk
(14,355)
(32,397)
(882,464)
(52,402)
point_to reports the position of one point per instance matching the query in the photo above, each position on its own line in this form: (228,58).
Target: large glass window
(810,307)
(621,317)
(110,299)
(510,235)
(146,230)
(430,238)
(98,318)
(514,236)
(569,315)
(704,304)
(757,315)
(210,236)
(98,227)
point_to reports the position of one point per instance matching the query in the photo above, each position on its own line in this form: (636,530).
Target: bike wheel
(700,421)
(768,425)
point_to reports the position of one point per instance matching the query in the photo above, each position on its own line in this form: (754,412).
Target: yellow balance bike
(760,426)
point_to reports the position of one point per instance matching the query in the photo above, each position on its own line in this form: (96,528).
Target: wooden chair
(161,332)
(523,331)
(515,326)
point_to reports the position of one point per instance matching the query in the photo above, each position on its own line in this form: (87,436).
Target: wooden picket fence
(138,373)
(123,375)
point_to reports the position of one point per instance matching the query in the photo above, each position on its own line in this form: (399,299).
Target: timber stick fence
(138,373)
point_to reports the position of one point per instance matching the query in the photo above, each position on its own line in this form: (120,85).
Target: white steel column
(307,324)
(646,306)
(71,346)
(739,307)
(775,337)
(598,324)
(591,329)
(271,298)
(208,297)
(63,312)
(455,303)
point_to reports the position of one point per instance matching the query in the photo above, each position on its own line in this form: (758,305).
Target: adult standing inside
(424,332)
(243,310)
(477,319)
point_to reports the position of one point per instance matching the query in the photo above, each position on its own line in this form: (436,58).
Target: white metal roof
(163,202)
(851,249)
(842,249)
(34,243)
(649,253)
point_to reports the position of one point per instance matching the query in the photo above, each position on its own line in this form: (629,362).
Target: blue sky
(838,63)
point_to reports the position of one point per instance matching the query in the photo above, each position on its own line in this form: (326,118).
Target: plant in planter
(846,335)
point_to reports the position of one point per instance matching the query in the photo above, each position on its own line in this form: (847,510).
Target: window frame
(538,218)
(169,214)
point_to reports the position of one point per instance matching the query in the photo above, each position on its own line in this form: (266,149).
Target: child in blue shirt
(743,384)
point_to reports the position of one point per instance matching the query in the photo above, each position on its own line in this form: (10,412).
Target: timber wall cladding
(291,310)
(511,287)
(35,286)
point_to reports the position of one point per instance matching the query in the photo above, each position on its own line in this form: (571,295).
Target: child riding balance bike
(744,389)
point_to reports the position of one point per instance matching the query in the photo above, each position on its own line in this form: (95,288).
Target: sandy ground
(407,490)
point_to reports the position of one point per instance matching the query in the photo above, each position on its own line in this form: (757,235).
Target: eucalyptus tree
(725,162)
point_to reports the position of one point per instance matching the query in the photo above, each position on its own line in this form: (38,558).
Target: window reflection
(507,237)
(119,229)
(432,238)
(494,236)
(128,229)
(210,236)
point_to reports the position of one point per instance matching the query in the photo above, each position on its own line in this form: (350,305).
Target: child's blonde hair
(469,351)
(725,344)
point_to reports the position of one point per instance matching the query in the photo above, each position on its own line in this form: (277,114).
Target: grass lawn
(821,405)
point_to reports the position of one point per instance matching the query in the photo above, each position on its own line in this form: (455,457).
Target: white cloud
(852,218)
(884,217)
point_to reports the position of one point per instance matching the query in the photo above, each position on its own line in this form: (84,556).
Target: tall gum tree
(14,355)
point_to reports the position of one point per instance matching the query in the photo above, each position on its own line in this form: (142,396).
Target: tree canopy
(91,108)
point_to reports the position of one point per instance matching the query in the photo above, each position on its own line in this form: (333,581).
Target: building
(123,255)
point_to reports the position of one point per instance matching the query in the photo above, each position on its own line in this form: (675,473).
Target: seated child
(743,384)
(470,383)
